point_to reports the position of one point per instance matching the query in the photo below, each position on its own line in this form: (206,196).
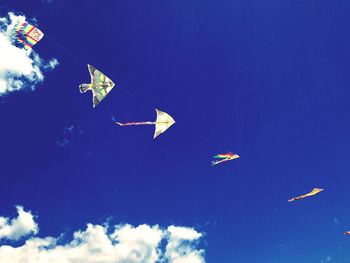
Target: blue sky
(266,79)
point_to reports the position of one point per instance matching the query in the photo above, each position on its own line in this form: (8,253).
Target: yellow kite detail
(314,191)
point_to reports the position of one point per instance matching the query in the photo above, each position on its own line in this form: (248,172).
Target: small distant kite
(314,191)
(100,85)
(347,233)
(27,34)
(224,157)
(162,123)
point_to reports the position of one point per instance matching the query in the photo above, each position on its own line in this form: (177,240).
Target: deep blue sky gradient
(266,79)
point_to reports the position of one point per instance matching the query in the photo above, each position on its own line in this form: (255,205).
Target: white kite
(162,123)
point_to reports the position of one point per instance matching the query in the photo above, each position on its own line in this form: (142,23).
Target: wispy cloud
(122,243)
(70,135)
(19,68)
(327,259)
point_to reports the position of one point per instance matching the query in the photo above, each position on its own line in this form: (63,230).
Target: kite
(313,192)
(224,157)
(347,233)
(100,85)
(27,34)
(162,123)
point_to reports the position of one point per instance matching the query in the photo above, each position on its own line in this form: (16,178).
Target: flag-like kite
(162,123)
(224,157)
(27,34)
(100,85)
(313,192)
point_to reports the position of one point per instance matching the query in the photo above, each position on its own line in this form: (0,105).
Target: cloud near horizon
(121,243)
(19,227)
(19,68)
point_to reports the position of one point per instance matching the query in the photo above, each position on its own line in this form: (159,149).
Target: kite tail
(135,123)
(19,28)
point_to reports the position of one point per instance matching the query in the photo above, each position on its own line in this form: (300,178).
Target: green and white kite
(100,85)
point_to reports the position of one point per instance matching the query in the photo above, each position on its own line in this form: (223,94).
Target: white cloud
(180,247)
(19,68)
(122,243)
(18,227)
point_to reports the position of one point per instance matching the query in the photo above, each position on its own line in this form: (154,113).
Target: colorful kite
(100,85)
(347,233)
(162,123)
(313,192)
(27,34)
(224,157)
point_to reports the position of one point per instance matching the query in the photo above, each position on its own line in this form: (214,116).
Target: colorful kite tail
(135,123)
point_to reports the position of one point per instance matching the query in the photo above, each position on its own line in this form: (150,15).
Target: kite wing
(224,158)
(313,192)
(163,122)
(101,85)
(27,34)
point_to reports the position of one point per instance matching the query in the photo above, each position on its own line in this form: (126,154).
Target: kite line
(228,156)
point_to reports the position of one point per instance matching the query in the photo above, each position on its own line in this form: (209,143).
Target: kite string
(200,135)
(136,98)
(65,49)
(184,127)
(131,94)
(128,92)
